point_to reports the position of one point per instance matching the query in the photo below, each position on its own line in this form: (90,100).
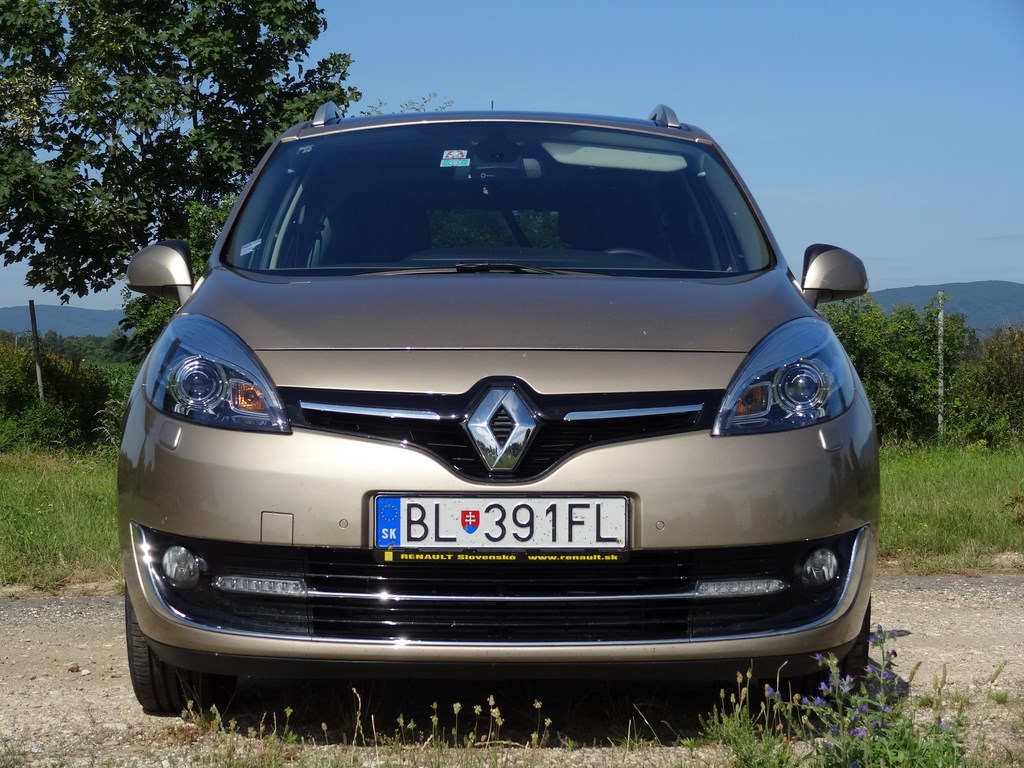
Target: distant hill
(986,305)
(65,321)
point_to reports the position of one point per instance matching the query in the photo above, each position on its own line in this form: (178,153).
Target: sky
(892,128)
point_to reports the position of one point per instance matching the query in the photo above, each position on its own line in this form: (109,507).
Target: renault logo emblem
(501,427)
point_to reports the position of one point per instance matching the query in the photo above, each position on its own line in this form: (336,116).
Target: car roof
(662,121)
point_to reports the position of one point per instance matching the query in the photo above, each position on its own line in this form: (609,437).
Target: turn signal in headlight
(202,372)
(796,376)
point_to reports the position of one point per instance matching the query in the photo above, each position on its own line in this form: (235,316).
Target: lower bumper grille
(650,598)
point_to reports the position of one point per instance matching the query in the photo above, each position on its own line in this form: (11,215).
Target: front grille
(649,598)
(397,417)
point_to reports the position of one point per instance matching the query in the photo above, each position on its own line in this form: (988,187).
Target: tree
(115,115)
(146,316)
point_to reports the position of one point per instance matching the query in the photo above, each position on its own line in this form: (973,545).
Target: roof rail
(327,111)
(665,116)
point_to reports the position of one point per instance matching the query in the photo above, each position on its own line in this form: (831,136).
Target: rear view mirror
(831,274)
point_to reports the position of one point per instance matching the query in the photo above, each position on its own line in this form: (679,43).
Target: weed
(868,724)
(844,723)
(756,738)
(13,757)
(1002,698)
(539,737)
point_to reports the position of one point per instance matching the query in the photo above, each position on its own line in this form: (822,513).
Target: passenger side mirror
(831,274)
(162,269)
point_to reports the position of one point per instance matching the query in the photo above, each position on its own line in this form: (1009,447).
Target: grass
(57,519)
(948,510)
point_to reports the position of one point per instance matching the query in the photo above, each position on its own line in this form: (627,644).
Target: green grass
(57,519)
(951,510)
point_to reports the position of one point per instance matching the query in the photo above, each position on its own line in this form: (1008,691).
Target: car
(494,395)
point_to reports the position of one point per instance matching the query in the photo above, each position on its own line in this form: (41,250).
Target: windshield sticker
(455,158)
(250,247)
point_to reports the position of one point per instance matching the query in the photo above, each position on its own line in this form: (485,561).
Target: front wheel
(161,688)
(854,665)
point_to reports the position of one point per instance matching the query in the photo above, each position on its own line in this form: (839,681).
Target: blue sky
(894,129)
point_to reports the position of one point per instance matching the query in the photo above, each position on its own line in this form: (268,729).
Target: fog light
(820,568)
(181,567)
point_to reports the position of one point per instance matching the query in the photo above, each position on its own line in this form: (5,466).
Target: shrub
(75,412)
(988,395)
(896,356)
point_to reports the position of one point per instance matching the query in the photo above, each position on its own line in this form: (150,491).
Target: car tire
(855,664)
(163,689)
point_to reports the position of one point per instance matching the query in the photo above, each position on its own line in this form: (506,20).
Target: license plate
(507,524)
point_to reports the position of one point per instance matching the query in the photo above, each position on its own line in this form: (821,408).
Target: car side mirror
(831,274)
(162,269)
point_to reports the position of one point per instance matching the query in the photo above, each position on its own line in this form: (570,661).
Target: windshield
(475,196)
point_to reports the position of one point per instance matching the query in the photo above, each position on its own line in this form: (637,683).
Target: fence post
(942,366)
(35,344)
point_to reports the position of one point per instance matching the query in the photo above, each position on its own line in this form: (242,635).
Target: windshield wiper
(504,266)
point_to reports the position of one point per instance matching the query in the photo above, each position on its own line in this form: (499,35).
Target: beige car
(494,394)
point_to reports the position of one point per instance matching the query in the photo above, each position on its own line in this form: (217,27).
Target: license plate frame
(450,527)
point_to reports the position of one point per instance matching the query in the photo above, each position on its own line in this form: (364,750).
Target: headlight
(202,372)
(797,376)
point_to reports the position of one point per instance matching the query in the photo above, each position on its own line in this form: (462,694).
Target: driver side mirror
(831,274)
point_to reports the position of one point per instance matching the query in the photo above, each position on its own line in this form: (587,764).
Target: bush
(120,379)
(76,411)
(987,402)
(896,356)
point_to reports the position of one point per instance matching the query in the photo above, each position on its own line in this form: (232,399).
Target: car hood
(499,311)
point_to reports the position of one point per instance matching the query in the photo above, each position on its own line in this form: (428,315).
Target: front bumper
(654,600)
(731,507)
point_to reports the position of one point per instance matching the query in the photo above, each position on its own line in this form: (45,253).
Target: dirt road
(64,689)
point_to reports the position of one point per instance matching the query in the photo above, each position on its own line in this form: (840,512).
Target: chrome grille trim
(406,598)
(366,410)
(424,415)
(632,413)
(447,426)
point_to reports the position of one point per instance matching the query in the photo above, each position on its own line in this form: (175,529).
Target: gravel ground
(65,696)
